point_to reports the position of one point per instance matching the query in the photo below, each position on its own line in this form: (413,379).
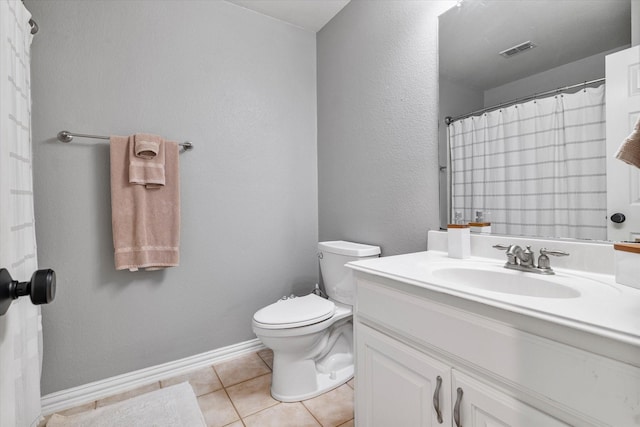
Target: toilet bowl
(312,337)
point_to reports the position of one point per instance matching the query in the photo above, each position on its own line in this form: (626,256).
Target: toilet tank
(338,280)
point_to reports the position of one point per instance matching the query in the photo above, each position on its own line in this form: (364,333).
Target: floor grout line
(309,411)
(246,381)
(241,418)
(234,406)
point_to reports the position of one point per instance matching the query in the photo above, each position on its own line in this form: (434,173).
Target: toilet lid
(295,312)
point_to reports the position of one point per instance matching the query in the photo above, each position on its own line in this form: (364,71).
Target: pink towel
(146,224)
(147,161)
(146,146)
(629,151)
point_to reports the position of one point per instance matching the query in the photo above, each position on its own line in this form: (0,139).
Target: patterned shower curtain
(538,167)
(21,326)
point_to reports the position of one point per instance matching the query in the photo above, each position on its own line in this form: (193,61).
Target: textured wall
(377,124)
(635,22)
(242,87)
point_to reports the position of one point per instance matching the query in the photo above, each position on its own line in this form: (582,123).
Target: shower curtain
(537,168)
(20,327)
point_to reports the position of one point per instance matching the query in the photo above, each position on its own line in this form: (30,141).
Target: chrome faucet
(544,264)
(523,259)
(524,256)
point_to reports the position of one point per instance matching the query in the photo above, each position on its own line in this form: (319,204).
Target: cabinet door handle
(456,408)
(436,399)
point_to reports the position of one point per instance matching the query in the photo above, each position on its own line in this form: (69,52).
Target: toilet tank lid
(341,247)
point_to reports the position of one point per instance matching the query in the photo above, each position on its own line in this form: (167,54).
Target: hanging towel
(146,224)
(629,151)
(146,146)
(145,167)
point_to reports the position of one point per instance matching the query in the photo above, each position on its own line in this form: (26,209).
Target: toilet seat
(295,312)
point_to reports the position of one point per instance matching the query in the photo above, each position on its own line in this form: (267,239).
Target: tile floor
(235,393)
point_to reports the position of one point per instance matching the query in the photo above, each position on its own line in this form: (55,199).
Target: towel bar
(66,136)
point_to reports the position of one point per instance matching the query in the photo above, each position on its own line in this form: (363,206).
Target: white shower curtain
(538,167)
(21,326)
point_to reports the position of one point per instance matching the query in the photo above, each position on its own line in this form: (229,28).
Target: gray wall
(377,124)
(582,70)
(242,87)
(635,22)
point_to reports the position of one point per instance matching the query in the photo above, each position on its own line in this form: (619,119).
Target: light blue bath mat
(174,406)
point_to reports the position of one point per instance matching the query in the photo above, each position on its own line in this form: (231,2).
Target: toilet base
(324,382)
(323,362)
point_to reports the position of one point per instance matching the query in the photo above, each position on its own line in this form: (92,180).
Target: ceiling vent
(508,53)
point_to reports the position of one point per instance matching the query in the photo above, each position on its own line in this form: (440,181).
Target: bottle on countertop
(481,223)
(459,238)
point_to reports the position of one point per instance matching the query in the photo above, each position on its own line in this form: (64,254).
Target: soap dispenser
(481,223)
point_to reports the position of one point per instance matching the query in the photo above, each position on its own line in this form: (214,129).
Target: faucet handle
(511,257)
(545,251)
(502,247)
(543,260)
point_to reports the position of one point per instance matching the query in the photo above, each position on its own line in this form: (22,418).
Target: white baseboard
(76,396)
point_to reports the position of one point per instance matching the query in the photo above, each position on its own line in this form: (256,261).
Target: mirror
(570,41)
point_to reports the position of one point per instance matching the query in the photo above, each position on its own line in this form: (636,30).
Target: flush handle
(456,408)
(436,399)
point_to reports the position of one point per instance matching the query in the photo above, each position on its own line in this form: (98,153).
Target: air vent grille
(508,53)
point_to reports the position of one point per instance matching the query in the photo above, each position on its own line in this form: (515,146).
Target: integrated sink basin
(586,301)
(506,282)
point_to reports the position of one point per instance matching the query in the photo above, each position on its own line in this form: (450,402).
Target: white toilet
(312,337)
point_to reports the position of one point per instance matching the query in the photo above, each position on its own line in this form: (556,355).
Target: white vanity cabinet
(397,384)
(415,348)
(400,386)
(480,405)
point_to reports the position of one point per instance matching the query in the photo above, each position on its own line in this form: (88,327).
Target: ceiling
(470,36)
(310,15)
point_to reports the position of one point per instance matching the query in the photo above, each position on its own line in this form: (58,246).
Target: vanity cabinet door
(396,384)
(479,405)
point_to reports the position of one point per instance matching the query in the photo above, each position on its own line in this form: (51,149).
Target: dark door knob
(618,218)
(41,288)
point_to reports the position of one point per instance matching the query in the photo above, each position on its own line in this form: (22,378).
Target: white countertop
(604,307)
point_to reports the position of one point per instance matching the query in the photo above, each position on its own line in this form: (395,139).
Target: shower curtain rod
(66,136)
(448,120)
